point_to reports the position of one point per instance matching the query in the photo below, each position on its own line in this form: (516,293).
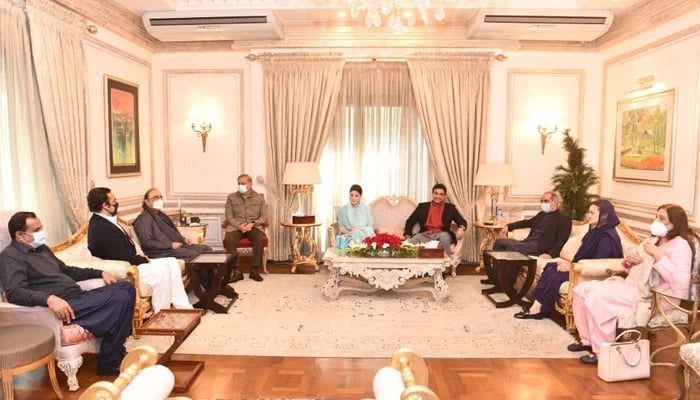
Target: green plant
(572,181)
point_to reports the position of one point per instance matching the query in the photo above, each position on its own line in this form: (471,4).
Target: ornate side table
(490,234)
(304,247)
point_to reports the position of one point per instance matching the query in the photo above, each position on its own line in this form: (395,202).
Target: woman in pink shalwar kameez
(597,304)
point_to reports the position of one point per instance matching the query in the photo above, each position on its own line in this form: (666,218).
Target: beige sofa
(584,270)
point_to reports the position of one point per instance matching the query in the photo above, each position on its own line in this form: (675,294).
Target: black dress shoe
(525,314)
(486,281)
(236,276)
(590,359)
(575,347)
(255,276)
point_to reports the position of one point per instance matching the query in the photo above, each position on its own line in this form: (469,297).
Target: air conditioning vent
(169,26)
(530,24)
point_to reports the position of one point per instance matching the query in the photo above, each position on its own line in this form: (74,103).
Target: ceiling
(326,23)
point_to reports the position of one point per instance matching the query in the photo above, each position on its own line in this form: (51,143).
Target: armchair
(245,246)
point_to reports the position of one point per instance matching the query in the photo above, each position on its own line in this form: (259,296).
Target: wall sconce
(545,134)
(203,132)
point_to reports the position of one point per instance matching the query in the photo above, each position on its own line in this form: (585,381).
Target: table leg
(207,299)
(680,337)
(506,270)
(330,288)
(442,291)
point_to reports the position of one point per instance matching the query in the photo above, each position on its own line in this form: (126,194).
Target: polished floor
(230,377)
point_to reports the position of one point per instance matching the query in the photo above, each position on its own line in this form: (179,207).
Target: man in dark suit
(108,239)
(31,275)
(435,219)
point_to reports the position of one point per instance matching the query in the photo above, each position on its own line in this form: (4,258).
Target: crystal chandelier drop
(398,13)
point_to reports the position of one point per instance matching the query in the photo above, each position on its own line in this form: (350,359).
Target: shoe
(575,347)
(255,276)
(236,276)
(590,359)
(525,314)
(486,281)
(108,371)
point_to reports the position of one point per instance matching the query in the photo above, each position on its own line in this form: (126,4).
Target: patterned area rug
(286,315)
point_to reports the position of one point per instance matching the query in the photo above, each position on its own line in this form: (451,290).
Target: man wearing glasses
(549,230)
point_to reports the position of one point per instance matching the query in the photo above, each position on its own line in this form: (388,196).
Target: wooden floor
(230,377)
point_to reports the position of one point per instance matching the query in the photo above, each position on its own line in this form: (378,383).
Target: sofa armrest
(12,314)
(599,268)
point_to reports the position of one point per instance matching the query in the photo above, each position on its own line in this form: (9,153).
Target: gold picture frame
(644,139)
(123,146)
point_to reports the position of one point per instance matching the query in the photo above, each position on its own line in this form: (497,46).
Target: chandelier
(398,13)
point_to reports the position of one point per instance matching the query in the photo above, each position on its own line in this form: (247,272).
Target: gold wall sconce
(203,132)
(545,134)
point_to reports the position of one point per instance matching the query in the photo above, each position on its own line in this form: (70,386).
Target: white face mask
(39,238)
(158,204)
(658,229)
(242,189)
(546,207)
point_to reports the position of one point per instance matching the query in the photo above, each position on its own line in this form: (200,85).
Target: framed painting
(123,147)
(644,139)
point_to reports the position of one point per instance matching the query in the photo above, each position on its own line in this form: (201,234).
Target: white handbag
(624,361)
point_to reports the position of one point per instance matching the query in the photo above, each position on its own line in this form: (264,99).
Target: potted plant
(573,180)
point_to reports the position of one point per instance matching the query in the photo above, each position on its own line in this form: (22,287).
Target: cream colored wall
(671,54)
(108,55)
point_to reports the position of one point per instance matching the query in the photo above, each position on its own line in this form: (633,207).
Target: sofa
(584,270)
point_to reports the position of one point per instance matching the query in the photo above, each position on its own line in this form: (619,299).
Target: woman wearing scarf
(355,218)
(601,241)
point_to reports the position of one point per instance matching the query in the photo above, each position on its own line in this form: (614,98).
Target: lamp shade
(495,174)
(301,173)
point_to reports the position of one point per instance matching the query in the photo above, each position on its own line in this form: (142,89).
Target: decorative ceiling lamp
(398,13)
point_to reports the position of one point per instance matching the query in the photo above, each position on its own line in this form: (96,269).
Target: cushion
(23,344)
(74,334)
(245,242)
(690,353)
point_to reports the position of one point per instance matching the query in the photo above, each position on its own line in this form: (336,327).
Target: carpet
(286,315)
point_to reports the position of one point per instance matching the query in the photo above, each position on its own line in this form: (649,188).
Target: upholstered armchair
(245,246)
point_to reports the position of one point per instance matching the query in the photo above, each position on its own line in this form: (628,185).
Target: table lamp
(495,175)
(302,176)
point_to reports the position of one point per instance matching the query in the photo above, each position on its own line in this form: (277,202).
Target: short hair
(439,186)
(18,222)
(357,188)
(145,195)
(555,196)
(244,176)
(96,197)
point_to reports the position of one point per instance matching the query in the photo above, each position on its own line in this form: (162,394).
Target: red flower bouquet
(383,241)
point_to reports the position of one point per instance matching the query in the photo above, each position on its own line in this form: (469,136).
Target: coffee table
(219,263)
(370,274)
(508,263)
(179,324)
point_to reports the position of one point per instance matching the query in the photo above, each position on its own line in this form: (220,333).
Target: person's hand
(177,245)
(108,278)
(459,234)
(343,231)
(653,251)
(545,256)
(503,233)
(61,308)
(563,266)
(188,241)
(631,260)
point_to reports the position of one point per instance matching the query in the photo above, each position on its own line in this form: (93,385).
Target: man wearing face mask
(549,230)
(246,215)
(31,275)
(158,234)
(108,239)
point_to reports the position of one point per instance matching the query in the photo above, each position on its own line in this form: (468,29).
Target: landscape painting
(644,139)
(123,128)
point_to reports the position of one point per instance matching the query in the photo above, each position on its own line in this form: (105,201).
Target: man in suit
(549,230)
(435,219)
(31,275)
(108,239)
(246,216)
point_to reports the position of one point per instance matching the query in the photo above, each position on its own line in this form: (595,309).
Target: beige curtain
(26,177)
(59,62)
(300,92)
(452,95)
(376,139)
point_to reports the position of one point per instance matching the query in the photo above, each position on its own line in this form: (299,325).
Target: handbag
(624,361)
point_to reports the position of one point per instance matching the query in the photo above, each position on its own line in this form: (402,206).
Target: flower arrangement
(382,245)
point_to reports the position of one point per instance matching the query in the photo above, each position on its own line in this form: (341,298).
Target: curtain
(300,95)
(452,95)
(59,62)
(376,140)
(26,179)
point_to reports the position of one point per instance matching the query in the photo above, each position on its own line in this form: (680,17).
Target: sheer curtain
(376,140)
(26,179)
